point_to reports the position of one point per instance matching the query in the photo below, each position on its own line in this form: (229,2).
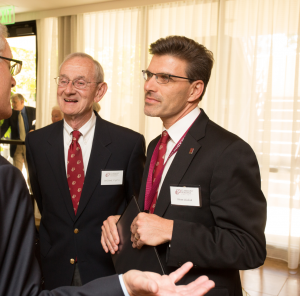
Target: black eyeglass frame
(73,81)
(12,67)
(169,75)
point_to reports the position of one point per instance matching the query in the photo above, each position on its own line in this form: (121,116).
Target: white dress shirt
(85,141)
(176,131)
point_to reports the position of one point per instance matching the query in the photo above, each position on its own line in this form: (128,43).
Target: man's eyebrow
(77,77)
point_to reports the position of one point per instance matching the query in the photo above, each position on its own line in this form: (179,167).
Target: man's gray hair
(18,96)
(3,34)
(99,73)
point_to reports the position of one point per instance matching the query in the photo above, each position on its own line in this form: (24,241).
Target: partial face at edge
(7,82)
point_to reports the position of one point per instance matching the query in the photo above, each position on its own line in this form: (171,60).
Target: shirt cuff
(123,285)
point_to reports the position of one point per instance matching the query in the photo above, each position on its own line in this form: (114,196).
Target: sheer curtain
(253,91)
(46,70)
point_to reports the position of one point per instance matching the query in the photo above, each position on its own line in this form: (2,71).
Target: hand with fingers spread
(150,229)
(152,284)
(110,237)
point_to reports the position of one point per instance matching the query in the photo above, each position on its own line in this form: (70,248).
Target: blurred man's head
(6,79)
(80,83)
(56,114)
(17,101)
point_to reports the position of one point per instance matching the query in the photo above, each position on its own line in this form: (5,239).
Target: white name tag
(185,196)
(111,177)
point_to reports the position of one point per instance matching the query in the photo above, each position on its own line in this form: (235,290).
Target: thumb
(152,286)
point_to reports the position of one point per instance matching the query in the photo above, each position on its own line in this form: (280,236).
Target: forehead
(167,64)
(77,67)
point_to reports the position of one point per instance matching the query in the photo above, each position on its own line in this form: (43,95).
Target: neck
(169,121)
(76,122)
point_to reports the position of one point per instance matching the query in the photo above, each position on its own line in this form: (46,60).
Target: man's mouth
(70,101)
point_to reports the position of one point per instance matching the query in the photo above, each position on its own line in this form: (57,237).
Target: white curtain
(47,43)
(253,91)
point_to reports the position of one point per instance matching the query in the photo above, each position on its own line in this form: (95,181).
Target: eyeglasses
(78,83)
(161,78)
(15,67)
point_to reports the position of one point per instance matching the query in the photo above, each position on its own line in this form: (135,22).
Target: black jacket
(225,234)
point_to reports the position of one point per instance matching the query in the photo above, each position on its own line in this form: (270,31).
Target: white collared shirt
(85,141)
(176,131)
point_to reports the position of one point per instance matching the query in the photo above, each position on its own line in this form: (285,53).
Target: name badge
(111,177)
(185,196)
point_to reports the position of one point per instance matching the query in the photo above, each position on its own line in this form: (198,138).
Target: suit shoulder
(41,133)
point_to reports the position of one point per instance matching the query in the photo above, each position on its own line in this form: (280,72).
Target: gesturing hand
(152,284)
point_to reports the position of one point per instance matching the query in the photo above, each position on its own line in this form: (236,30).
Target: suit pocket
(44,246)
(218,292)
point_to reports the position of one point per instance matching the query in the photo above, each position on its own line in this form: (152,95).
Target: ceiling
(41,5)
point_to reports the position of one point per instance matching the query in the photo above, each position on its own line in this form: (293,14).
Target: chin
(5,112)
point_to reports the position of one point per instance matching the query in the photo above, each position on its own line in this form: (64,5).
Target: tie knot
(165,137)
(76,135)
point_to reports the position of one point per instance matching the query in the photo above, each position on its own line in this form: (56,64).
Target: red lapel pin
(191,151)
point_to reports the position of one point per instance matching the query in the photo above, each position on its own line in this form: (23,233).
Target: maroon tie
(159,164)
(75,170)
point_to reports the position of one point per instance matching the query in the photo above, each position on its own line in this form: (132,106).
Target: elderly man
(19,271)
(201,185)
(82,170)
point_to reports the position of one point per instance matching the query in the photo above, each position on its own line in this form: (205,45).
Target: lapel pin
(191,151)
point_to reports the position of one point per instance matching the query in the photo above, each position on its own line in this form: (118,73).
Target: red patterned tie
(75,170)
(159,164)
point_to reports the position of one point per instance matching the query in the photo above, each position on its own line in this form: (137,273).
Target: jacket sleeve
(238,206)
(4,127)
(135,169)
(19,271)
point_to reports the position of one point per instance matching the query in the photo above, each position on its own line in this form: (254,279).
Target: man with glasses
(82,170)
(201,185)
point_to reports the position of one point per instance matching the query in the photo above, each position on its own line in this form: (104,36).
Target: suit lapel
(99,157)
(55,154)
(181,162)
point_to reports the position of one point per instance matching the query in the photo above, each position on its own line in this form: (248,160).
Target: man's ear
(101,91)
(196,90)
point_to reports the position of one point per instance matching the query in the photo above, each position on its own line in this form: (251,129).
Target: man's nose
(70,87)
(13,83)
(150,84)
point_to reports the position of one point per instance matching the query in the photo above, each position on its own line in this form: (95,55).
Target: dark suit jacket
(114,148)
(19,271)
(226,233)
(14,124)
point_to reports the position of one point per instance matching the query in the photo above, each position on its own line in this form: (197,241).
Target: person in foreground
(201,183)
(19,271)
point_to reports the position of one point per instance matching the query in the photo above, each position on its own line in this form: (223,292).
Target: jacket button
(72,261)
(76,230)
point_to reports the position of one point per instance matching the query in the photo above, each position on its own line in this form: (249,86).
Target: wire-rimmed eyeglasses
(15,66)
(78,83)
(161,78)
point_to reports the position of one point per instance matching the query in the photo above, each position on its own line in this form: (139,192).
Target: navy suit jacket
(19,270)
(114,148)
(226,233)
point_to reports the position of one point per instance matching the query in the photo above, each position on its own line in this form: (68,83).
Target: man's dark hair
(199,59)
